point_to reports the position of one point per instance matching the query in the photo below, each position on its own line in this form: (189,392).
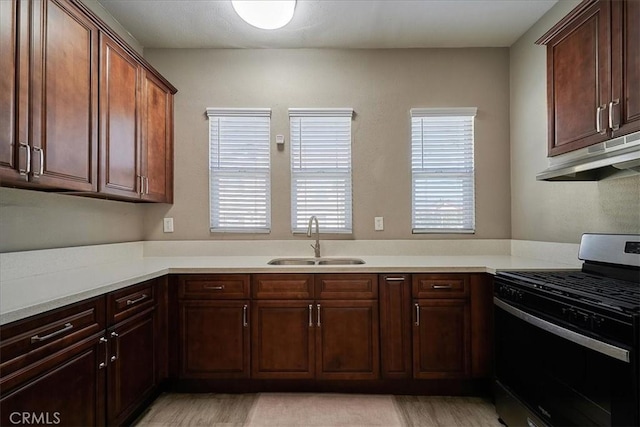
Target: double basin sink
(316,261)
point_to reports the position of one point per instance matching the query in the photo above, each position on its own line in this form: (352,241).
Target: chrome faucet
(315,247)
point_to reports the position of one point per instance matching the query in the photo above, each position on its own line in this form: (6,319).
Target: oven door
(549,375)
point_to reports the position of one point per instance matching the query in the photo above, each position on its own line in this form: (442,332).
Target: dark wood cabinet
(132,369)
(282,339)
(395,326)
(334,336)
(214,328)
(441,339)
(52,97)
(136,349)
(66,72)
(441,326)
(347,340)
(52,366)
(157,140)
(592,74)
(119,121)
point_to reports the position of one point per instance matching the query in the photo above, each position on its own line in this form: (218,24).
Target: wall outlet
(378,223)
(167,225)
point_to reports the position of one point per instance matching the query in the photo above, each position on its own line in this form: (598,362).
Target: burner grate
(613,293)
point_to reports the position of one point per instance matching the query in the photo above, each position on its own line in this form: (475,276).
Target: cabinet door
(132,366)
(70,393)
(119,123)
(579,81)
(64,89)
(347,341)
(282,340)
(157,141)
(441,339)
(625,104)
(214,339)
(395,325)
(14,63)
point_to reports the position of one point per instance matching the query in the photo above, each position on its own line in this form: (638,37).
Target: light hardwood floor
(317,410)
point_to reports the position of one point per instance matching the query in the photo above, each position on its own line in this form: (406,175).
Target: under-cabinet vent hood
(615,158)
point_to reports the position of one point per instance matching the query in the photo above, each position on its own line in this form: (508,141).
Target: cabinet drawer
(29,340)
(282,286)
(440,285)
(214,286)
(346,286)
(134,299)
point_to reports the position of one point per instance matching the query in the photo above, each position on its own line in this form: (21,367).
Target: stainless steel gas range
(567,342)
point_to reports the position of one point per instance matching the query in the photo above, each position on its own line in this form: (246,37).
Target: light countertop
(21,297)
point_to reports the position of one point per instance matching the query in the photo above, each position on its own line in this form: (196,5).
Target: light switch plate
(167,225)
(378,223)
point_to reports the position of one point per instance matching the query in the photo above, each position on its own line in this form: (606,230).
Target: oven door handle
(588,342)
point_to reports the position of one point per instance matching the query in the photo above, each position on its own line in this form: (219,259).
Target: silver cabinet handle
(103,365)
(599,111)
(65,328)
(310,315)
(137,300)
(115,357)
(146,178)
(141,184)
(440,286)
(318,314)
(417,306)
(612,104)
(394,279)
(215,288)
(244,316)
(41,153)
(27,168)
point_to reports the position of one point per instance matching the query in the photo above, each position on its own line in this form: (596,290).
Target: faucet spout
(315,247)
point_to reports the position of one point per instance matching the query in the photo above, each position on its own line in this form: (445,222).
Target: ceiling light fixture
(265,14)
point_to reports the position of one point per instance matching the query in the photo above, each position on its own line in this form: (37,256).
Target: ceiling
(332,23)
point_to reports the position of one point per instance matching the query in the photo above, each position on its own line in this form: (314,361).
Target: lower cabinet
(77,366)
(322,338)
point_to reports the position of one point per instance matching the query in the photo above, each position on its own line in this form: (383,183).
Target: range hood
(615,158)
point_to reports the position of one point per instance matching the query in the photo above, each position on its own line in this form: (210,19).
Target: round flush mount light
(265,14)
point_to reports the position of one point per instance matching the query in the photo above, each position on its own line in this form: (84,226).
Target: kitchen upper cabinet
(120,121)
(68,76)
(593,69)
(52,97)
(157,140)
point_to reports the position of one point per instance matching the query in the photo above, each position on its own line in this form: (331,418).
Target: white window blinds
(239,179)
(443,199)
(321,169)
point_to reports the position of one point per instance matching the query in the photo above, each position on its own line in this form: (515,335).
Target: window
(442,170)
(321,169)
(239,179)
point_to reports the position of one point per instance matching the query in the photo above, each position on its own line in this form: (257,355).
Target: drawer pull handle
(440,286)
(27,168)
(115,356)
(36,338)
(137,300)
(318,320)
(103,365)
(417,306)
(310,315)
(40,151)
(215,288)
(394,279)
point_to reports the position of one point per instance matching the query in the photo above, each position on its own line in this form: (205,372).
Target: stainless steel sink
(292,261)
(316,261)
(340,261)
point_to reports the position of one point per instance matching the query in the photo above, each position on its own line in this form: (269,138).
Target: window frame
(320,113)
(218,113)
(467,226)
